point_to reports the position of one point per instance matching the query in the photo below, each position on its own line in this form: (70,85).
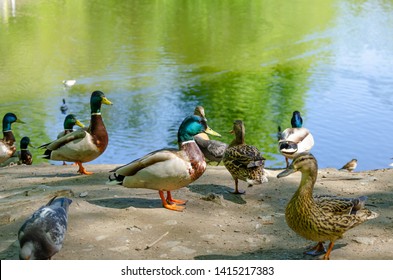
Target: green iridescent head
(71,120)
(191,126)
(8,119)
(24,142)
(97,99)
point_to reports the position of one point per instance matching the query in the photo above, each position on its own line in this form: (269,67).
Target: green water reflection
(240,59)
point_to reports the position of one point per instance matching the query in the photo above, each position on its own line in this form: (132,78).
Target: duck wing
(75,135)
(150,159)
(245,156)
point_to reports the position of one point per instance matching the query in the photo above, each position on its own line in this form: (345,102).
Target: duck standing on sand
(321,218)
(167,169)
(296,139)
(41,236)
(69,122)
(213,150)
(82,145)
(7,147)
(244,162)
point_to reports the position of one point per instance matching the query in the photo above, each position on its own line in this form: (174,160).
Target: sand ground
(113,222)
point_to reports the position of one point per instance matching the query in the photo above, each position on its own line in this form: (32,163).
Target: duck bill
(19,121)
(212,132)
(106,101)
(78,123)
(286,172)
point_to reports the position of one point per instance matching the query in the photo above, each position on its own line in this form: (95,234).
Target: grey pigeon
(42,235)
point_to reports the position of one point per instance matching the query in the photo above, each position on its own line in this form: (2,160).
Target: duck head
(71,120)
(239,131)
(24,143)
(97,99)
(191,126)
(296,120)
(8,119)
(304,162)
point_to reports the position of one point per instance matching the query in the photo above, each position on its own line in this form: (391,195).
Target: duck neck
(196,158)
(239,139)
(9,137)
(97,128)
(307,184)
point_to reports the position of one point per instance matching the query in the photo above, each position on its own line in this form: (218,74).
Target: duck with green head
(69,122)
(25,156)
(168,169)
(82,145)
(296,139)
(7,147)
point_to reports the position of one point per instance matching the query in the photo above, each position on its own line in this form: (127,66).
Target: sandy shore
(112,222)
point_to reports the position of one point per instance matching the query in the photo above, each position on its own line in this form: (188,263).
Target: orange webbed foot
(82,170)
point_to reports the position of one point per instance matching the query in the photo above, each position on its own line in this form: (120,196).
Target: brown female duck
(244,162)
(321,218)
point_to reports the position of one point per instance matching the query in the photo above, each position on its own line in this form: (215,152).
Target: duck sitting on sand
(7,147)
(296,139)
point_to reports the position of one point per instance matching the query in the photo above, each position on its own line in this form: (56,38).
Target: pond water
(252,60)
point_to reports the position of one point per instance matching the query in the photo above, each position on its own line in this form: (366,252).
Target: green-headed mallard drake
(213,150)
(7,147)
(167,169)
(244,162)
(296,139)
(69,122)
(82,145)
(25,156)
(321,218)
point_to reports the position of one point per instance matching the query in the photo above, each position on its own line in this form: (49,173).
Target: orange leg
(167,205)
(170,200)
(237,188)
(82,170)
(317,250)
(329,250)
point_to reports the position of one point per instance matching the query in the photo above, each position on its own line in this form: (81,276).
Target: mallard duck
(350,166)
(41,236)
(167,169)
(244,162)
(296,139)
(82,145)
(321,218)
(213,150)
(69,122)
(25,156)
(7,147)
(63,107)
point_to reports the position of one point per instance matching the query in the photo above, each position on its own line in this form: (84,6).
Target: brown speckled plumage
(321,218)
(244,162)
